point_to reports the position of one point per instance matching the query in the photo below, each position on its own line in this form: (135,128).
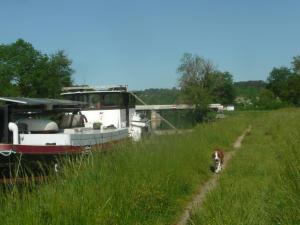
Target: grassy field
(150,182)
(262,183)
(136,183)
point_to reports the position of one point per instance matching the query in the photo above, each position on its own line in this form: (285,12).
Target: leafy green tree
(7,78)
(293,94)
(201,80)
(296,64)
(201,83)
(222,89)
(25,71)
(277,82)
(265,96)
(195,70)
(194,81)
(267,100)
(285,82)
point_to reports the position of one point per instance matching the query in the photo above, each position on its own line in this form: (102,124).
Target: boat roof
(91,89)
(91,92)
(40,101)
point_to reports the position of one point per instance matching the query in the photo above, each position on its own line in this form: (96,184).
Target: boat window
(113,99)
(68,97)
(104,99)
(94,101)
(82,98)
(2,124)
(74,97)
(131,101)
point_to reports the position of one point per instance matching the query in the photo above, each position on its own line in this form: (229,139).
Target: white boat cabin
(109,107)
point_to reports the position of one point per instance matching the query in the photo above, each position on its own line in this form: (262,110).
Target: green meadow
(261,185)
(150,182)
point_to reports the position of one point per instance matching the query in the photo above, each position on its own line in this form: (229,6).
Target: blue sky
(140,43)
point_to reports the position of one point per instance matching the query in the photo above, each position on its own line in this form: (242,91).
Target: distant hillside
(158,96)
(251,83)
(249,89)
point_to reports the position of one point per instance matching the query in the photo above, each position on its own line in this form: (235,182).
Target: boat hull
(20,159)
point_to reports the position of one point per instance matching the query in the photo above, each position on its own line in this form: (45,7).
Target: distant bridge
(162,107)
(155,110)
(156,118)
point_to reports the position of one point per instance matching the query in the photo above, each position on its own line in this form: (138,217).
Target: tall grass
(136,183)
(262,183)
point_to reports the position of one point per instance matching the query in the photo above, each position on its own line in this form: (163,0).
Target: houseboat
(38,131)
(109,106)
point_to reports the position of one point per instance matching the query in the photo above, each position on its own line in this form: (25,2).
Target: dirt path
(210,184)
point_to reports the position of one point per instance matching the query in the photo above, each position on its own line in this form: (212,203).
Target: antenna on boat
(161,117)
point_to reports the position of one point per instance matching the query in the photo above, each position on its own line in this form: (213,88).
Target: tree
(285,82)
(25,71)
(277,82)
(194,70)
(201,83)
(222,89)
(267,100)
(293,94)
(7,78)
(296,64)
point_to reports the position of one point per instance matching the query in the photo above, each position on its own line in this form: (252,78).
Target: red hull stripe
(48,149)
(5,147)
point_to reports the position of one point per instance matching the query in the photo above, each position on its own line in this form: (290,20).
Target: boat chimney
(14,128)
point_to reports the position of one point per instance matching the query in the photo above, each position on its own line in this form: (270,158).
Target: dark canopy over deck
(49,103)
(12,108)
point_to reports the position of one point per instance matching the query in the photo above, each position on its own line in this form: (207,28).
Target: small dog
(218,159)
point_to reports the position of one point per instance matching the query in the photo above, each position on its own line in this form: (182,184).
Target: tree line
(281,89)
(201,83)
(27,72)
